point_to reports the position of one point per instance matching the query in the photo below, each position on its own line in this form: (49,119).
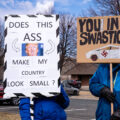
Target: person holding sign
(45,108)
(100,86)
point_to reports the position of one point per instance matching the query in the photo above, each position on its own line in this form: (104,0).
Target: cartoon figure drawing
(106,52)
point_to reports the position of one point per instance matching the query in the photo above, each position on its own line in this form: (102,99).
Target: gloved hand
(116,115)
(60,99)
(107,94)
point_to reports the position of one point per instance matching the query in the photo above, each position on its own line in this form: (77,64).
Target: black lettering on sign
(89,25)
(115,37)
(44,24)
(26,37)
(82,22)
(20,62)
(37,72)
(18,25)
(108,24)
(99,40)
(91,33)
(118,37)
(97,24)
(105,37)
(42,61)
(32,37)
(39,83)
(91,38)
(100,37)
(15,83)
(114,23)
(84,39)
(111,33)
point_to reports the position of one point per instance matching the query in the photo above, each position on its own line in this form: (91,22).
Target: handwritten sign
(98,39)
(31,56)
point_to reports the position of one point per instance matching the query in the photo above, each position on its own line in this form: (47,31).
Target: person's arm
(94,85)
(24,109)
(63,99)
(97,88)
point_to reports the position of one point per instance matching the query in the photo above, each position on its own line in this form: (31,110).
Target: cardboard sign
(98,39)
(31,55)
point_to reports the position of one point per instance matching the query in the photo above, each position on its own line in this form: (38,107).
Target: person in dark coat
(100,86)
(45,108)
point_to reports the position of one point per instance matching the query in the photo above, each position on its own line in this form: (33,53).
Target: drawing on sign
(14,46)
(106,52)
(32,49)
(52,47)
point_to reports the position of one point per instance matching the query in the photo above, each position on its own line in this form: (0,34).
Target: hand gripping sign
(31,55)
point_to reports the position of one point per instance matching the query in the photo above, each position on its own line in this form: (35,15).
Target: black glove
(116,115)
(107,94)
(60,99)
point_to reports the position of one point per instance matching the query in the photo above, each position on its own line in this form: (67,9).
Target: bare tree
(67,39)
(106,7)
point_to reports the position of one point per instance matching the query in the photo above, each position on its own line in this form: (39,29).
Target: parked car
(75,83)
(1,91)
(13,100)
(70,90)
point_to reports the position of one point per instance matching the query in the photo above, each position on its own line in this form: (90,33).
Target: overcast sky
(35,6)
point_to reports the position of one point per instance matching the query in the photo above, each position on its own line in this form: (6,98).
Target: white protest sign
(31,55)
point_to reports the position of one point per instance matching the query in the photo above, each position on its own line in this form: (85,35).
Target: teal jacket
(100,79)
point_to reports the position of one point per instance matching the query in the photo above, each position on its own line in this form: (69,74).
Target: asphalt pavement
(83,106)
(81,109)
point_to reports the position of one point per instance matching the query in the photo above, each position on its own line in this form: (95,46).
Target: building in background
(77,71)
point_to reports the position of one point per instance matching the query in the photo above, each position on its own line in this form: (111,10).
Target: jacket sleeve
(24,109)
(94,85)
(63,99)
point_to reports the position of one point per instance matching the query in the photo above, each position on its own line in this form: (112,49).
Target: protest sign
(31,55)
(98,39)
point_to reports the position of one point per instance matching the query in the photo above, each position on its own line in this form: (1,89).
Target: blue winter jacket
(45,108)
(100,79)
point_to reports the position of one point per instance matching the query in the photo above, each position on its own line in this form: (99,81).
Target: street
(79,109)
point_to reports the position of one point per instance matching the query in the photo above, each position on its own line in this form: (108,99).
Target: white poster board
(31,55)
